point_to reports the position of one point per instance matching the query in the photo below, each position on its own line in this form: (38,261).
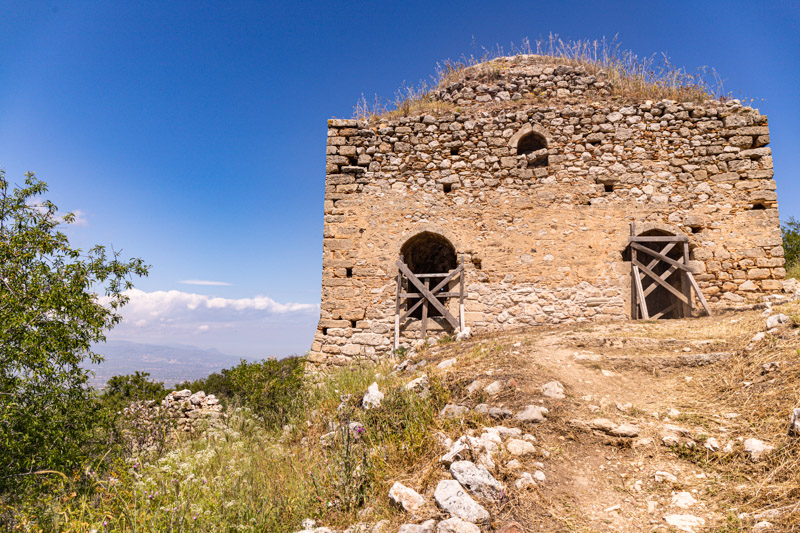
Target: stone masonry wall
(542,244)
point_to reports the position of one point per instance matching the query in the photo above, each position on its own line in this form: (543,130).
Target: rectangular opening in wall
(324,331)
(353,324)
(349,272)
(453,151)
(758,206)
(447,187)
(608,187)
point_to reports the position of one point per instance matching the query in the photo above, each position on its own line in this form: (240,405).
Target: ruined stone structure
(532,179)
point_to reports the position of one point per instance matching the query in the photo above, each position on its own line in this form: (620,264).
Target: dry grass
(764,402)
(630,76)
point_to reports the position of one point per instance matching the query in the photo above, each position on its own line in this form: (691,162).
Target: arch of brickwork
(542,243)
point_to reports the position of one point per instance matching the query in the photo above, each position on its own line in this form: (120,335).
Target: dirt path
(632,374)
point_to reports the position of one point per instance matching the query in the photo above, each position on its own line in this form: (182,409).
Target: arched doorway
(661,278)
(428,275)
(659,299)
(428,253)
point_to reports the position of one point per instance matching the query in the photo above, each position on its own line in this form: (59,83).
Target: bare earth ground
(648,374)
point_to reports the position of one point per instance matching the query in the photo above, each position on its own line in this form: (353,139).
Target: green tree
(120,391)
(790,231)
(50,315)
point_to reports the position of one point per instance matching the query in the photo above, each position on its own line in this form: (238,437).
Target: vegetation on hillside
(790,232)
(646,78)
(50,316)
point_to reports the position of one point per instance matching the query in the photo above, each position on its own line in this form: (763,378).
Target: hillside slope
(653,431)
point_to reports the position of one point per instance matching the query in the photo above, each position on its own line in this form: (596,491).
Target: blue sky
(192,134)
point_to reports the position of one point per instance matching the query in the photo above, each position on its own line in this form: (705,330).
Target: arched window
(534,147)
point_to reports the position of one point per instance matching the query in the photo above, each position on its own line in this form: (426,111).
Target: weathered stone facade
(543,227)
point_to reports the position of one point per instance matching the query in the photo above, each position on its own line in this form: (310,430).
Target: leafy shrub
(273,389)
(121,391)
(790,232)
(49,318)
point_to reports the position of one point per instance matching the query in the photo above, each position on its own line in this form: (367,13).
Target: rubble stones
(406,497)
(756,449)
(553,389)
(532,413)
(456,525)
(452,498)
(685,522)
(519,447)
(776,320)
(373,397)
(477,480)
(429,526)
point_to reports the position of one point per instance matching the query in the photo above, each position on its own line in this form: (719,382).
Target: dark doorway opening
(428,253)
(661,303)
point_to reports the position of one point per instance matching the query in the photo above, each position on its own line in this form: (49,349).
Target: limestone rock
(464,334)
(525,480)
(776,320)
(456,525)
(685,522)
(447,363)
(452,498)
(420,385)
(429,526)
(519,447)
(665,477)
(477,480)
(373,397)
(794,423)
(625,430)
(494,388)
(683,499)
(532,413)
(553,389)
(756,448)
(406,497)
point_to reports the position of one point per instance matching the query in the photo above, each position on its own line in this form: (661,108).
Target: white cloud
(204,282)
(257,326)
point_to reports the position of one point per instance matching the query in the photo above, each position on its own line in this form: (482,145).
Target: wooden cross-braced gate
(641,272)
(427,296)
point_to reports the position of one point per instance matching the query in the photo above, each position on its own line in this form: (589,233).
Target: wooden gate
(408,283)
(640,272)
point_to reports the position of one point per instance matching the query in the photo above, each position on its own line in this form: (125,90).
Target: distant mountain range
(169,364)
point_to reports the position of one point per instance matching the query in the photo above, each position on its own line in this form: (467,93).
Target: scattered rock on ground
(683,499)
(494,388)
(452,498)
(373,397)
(447,363)
(406,497)
(776,320)
(532,413)
(553,389)
(456,525)
(685,522)
(477,480)
(662,477)
(756,448)
(519,447)
(429,526)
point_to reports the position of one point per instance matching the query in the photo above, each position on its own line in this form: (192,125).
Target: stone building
(528,178)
